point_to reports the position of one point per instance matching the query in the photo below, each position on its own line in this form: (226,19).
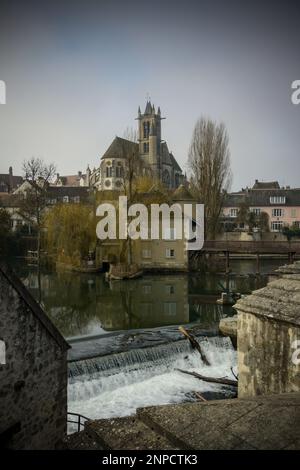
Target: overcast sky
(77,71)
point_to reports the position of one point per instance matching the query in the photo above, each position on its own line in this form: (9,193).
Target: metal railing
(79,419)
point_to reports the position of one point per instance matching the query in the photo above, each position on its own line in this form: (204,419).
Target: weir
(115,385)
(142,358)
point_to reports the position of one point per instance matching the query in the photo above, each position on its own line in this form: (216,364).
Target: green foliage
(70,232)
(252,220)
(6,236)
(291,232)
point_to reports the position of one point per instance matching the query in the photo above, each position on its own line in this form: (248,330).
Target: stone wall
(33,381)
(268,329)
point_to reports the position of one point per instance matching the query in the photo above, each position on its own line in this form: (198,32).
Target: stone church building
(152,152)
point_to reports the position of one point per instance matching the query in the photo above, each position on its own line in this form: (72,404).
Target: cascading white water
(118,384)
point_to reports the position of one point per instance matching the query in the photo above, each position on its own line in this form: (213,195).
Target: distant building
(166,253)
(73,180)
(282,205)
(54,195)
(9,182)
(155,158)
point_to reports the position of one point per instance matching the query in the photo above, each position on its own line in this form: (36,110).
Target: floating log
(199,396)
(234,375)
(222,380)
(194,344)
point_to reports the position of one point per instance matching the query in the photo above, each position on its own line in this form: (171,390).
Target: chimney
(256,181)
(57,175)
(10,179)
(79,173)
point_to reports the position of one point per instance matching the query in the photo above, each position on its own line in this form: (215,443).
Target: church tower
(150,138)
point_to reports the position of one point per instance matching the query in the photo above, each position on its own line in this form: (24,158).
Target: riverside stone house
(33,371)
(152,255)
(282,205)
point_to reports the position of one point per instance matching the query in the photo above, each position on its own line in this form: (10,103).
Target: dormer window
(277,199)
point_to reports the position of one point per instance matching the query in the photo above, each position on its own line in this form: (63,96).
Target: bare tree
(131,171)
(38,174)
(209,164)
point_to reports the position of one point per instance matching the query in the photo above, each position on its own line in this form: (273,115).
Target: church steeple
(148,109)
(150,137)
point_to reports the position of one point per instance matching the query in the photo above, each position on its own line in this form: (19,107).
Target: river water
(85,304)
(111,325)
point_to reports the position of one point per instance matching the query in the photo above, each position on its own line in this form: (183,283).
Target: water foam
(116,385)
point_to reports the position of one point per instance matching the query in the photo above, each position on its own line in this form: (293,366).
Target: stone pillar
(268,336)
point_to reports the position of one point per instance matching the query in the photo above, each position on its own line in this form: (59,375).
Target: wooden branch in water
(194,344)
(234,375)
(222,381)
(199,396)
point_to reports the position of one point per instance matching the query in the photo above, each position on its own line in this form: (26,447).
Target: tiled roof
(174,162)
(71,180)
(71,191)
(261,198)
(10,181)
(10,200)
(53,192)
(266,185)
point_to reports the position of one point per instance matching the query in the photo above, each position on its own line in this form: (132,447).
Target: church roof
(168,158)
(174,162)
(119,148)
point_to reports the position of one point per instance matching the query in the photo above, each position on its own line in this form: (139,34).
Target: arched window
(108,170)
(119,170)
(146,129)
(146,147)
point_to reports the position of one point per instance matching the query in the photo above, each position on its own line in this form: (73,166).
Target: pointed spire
(158,110)
(139,111)
(153,109)
(148,109)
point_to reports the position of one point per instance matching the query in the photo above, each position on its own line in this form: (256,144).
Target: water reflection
(85,304)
